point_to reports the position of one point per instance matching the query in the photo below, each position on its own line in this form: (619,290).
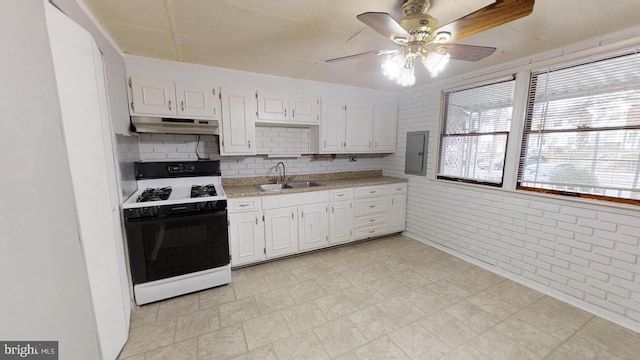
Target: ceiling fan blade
(384,24)
(467,52)
(354,56)
(498,13)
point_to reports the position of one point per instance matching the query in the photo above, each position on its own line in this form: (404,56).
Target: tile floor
(390,298)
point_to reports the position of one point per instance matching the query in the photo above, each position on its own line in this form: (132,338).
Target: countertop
(237,191)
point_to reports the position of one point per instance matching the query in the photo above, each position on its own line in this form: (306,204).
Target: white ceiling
(293,38)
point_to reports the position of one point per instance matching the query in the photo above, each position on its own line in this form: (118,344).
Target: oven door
(168,246)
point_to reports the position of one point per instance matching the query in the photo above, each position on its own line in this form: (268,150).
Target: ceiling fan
(419,38)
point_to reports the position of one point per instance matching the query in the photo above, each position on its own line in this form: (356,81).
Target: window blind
(475,131)
(582,131)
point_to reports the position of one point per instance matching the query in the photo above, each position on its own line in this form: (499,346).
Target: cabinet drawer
(244,204)
(371,191)
(372,220)
(400,188)
(370,206)
(341,194)
(369,232)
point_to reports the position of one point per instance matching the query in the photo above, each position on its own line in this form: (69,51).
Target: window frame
(442,133)
(529,117)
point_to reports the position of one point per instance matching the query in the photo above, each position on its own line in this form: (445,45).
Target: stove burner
(203,190)
(154,194)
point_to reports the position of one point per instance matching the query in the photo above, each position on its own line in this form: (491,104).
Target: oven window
(165,247)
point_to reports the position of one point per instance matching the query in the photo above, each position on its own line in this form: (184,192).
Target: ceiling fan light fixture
(435,62)
(407,77)
(392,66)
(442,37)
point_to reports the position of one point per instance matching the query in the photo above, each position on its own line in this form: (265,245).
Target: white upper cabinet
(359,127)
(385,120)
(332,126)
(197,100)
(305,109)
(173,99)
(152,96)
(238,122)
(285,109)
(273,106)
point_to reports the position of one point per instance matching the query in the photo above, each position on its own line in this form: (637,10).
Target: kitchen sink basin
(301,184)
(291,185)
(271,187)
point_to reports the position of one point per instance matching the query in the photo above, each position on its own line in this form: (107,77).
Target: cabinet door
(341,221)
(197,100)
(397,212)
(153,96)
(273,106)
(304,109)
(332,126)
(313,226)
(238,122)
(384,128)
(359,127)
(246,237)
(281,231)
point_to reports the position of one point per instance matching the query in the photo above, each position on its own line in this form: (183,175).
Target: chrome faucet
(282,178)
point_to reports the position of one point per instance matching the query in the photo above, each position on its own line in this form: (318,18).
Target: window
(582,131)
(475,131)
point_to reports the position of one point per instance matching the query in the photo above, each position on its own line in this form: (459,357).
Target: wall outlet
(352,159)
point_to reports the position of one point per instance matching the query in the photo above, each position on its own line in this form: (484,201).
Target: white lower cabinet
(281,231)
(246,237)
(273,226)
(341,222)
(246,230)
(313,226)
(397,207)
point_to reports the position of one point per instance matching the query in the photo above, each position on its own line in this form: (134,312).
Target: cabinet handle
(285,112)
(340,195)
(372,192)
(291,216)
(243,205)
(256,220)
(169,105)
(293,113)
(372,220)
(344,144)
(214,111)
(372,206)
(392,202)
(369,144)
(182,105)
(375,145)
(325,144)
(302,214)
(249,144)
(371,231)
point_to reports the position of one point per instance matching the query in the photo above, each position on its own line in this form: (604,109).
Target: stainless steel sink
(271,187)
(291,185)
(301,184)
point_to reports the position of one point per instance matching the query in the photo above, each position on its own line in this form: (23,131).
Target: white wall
(45,289)
(584,252)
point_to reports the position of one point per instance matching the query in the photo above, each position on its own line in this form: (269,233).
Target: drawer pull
(372,220)
(340,195)
(371,231)
(372,192)
(372,206)
(243,205)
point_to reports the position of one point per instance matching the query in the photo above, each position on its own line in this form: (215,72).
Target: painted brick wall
(281,140)
(160,147)
(580,251)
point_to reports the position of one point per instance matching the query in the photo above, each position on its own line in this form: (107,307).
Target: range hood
(147,124)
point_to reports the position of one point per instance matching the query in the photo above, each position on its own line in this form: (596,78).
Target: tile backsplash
(159,147)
